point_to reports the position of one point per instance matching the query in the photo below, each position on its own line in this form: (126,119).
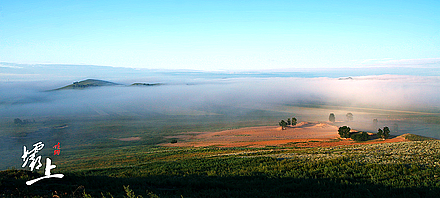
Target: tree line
(344,132)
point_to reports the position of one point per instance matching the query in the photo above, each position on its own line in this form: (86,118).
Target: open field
(305,133)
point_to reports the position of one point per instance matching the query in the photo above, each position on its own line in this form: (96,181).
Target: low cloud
(385,92)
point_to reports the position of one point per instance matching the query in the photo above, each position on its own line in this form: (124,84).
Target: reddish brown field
(305,134)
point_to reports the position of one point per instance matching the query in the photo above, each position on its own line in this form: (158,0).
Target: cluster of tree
(289,122)
(395,126)
(384,134)
(344,132)
(361,136)
(18,121)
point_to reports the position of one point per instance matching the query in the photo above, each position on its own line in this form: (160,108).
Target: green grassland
(406,169)
(95,163)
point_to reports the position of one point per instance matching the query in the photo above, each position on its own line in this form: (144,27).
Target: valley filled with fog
(186,101)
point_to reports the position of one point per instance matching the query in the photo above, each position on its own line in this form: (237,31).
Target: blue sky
(222,35)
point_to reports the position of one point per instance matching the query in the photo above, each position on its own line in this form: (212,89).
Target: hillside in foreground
(399,169)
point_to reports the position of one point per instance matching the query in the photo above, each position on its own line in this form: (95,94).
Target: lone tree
(379,133)
(349,117)
(344,131)
(283,124)
(288,121)
(386,132)
(331,117)
(294,121)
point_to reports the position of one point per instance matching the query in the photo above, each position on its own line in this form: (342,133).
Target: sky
(221,35)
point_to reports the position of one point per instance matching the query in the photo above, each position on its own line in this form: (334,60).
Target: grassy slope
(413,137)
(404,169)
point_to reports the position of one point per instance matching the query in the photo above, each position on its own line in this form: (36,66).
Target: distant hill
(346,78)
(146,84)
(88,83)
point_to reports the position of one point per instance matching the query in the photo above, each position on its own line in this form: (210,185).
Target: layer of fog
(383,92)
(308,99)
(12,72)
